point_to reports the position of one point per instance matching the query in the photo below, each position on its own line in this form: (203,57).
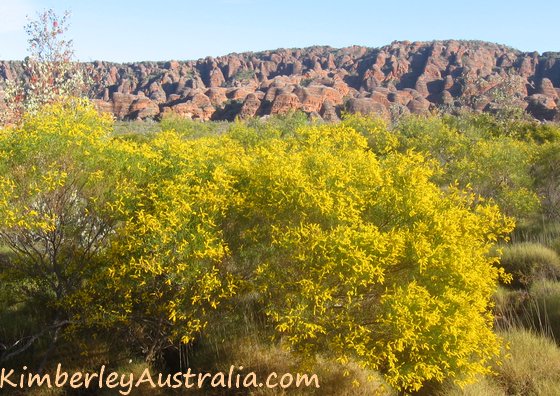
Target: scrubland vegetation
(364,252)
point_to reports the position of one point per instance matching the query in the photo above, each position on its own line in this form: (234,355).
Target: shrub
(530,365)
(138,130)
(546,175)
(188,128)
(353,257)
(381,140)
(53,219)
(365,257)
(495,167)
(529,261)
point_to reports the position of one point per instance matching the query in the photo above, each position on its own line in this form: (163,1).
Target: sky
(157,30)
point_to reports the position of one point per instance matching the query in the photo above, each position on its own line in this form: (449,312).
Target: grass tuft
(528,262)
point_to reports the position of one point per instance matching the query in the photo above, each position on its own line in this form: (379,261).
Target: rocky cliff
(323,81)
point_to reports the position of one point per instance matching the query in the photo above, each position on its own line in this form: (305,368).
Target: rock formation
(414,77)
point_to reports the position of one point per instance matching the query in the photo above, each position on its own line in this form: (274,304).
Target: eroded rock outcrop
(401,77)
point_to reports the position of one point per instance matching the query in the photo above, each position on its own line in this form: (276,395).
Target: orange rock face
(143,108)
(217,96)
(367,106)
(250,106)
(198,107)
(284,103)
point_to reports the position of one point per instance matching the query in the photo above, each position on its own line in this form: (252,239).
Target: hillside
(398,78)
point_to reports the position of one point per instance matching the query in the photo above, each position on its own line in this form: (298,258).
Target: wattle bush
(356,256)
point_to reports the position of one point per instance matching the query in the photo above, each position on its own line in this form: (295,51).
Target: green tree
(473,154)
(346,244)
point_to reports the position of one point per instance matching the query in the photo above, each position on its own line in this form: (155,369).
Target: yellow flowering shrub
(168,261)
(350,247)
(366,258)
(51,186)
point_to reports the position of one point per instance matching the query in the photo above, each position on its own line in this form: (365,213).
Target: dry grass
(545,307)
(530,261)
(483,387)
(531,364)
(266,358)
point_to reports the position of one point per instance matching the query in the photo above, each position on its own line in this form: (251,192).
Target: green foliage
(547,179)
(244,75)
(434,136)
(169,260)
(361,257)
(381,140)
(53,221)
(503,91)
(53,182)
(190,128)
(530,367)
(528,262)
(499,169)
(277,125)
(137,130)
(495,167)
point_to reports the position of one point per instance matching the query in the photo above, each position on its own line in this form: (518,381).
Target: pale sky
(124,31)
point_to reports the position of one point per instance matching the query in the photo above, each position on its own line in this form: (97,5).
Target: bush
(353,257)
(381,140)
(496,168)
(53,218)
(529,261)
(364,257)
(546,175)
(188,128)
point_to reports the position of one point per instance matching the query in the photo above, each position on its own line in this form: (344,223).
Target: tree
(53,214)
(50,72)
(168,262)
(502,95)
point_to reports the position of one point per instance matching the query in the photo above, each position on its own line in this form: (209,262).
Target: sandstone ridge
(403,77)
